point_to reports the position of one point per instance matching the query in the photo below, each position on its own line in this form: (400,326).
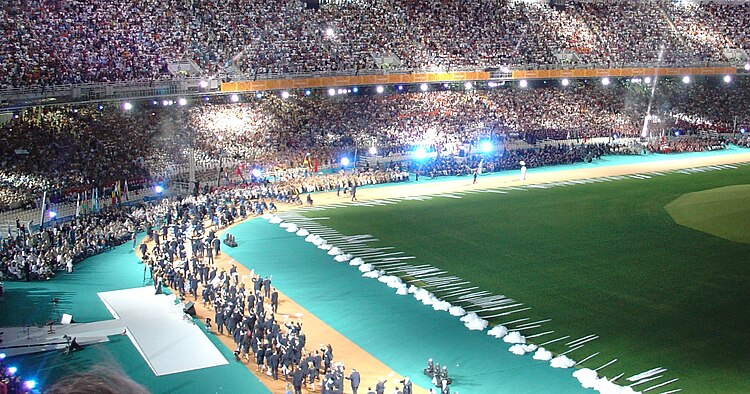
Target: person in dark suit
(407,385)
(355,379)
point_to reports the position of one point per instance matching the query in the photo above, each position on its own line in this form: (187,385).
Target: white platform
(168,341)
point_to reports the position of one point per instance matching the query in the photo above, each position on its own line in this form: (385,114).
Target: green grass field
(602,258)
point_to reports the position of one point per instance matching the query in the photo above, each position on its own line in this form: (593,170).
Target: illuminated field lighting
(126,106)
(256,172)
(203,84)
(379,89)
(344,161)
(468,85)
(486,146)
(331,92)
(565,82)
(420,153)
(686,79)
(524,83)
(606,81)
(373,150)
(727,78)
(423,87)
(285,95)
(182,101)
(234,98)
(159,189)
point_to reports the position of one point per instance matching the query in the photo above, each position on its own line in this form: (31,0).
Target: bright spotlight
(747,67)
(606,81)
(285,95)
(647,80)
(12,370)
(171,102)
(524,83)
(420,153)
(379,89)
(486,146)
(182,101)
(155,102)
(743,130)
(686,79)
(308,92)
(355,89)
(423,87)
(565,82)
(203,84)
(344,161)
(52,214)
(255,172)
(727,78)
(235,98)
(446,85)
(373,150)
(492,84)
(165,102)
(331,92)
(468,85)
(259,95)
(29,384)
(159,189)
(127,106)
(2,356)
(400,87)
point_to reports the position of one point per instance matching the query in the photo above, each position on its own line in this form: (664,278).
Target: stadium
(375,196)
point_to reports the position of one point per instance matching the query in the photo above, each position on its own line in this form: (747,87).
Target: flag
(44,204)
(119,193)
(95,199)
(78,204)
(126,191)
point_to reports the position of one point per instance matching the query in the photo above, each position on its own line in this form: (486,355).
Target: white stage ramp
(168,340)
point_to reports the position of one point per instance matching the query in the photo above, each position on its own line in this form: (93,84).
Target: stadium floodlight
(182,101)
(486,146)
(565,82)
(235,98)
(126,106)
(344,161)
(420,153)
(373,150)
(285,95)
(686,79)
(331,92)
(379,89)
(606,81)
(29,384)
(256,172)
(468,85)
(727,78)
(203,84)
(524,83)
(423,87)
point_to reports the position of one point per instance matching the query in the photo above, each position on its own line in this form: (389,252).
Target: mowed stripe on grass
(600,258)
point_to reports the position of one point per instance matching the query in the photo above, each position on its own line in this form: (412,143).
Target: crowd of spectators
(69,149)
(94,41)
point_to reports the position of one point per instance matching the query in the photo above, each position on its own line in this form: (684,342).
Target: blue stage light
(420,153)
(344,161)
(159,189)
(486,146)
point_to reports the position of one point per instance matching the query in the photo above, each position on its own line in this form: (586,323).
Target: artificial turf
(603,258)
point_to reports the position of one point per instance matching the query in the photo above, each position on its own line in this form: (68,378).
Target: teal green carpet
(397,330)
(28,303)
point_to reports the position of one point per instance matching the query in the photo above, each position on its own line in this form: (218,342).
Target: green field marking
(723,212)
(599,258)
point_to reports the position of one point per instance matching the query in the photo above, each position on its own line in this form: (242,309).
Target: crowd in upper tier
(51,43)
